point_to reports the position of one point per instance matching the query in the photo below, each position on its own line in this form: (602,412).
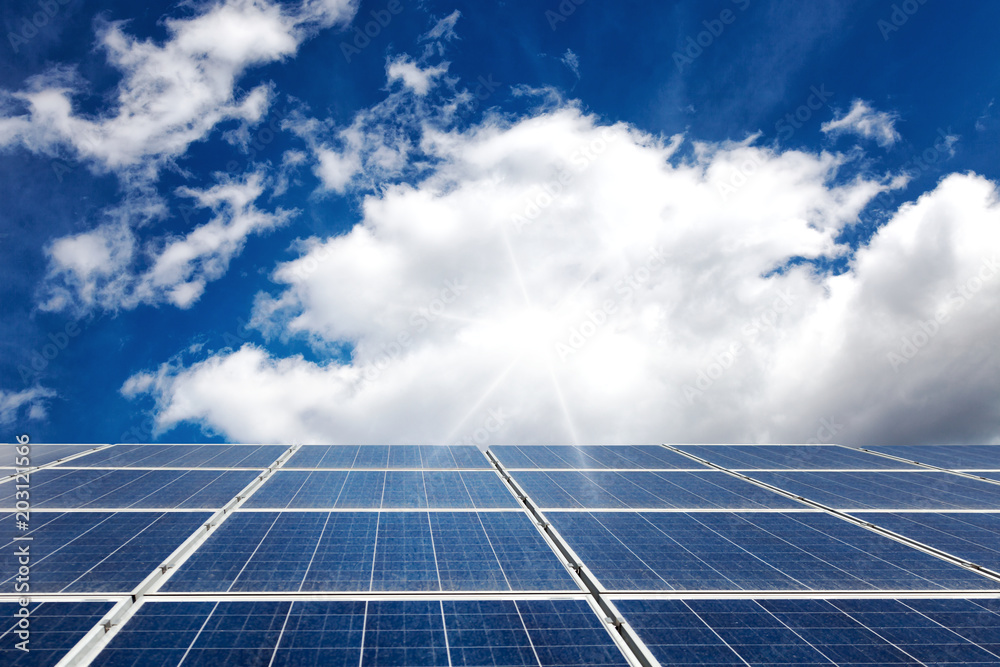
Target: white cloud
(12,402)
(105,268)
(864,121)
(572,61)
(417,79)
(444,29)
(171,94)
(592,286)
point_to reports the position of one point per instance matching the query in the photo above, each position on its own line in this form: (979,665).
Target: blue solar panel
(953,457)
(792,457)
(182,456)
(98,551)
(396,456)
(53,629)
(815,632)
(139,489)
(646,490)
(750,551)
(348,633)
(381,551)
(38,455)
(393,489)
(972,536)
(604,456)
(887,490)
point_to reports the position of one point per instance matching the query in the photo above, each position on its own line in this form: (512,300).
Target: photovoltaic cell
(54,628)
(140,489)
(182,456)
(348,633)
(816,632)
(646,490)
(953,457)
(750,551)
(604,456)
(792,457)
(373,551)
(393,489)
(887,490)
(83,552)
(972,536)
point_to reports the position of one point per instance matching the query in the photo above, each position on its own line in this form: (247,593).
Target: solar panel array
(445,555)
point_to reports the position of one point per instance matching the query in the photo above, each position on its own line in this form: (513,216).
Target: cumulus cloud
(866,122)
(172,93)
(12,404)
(587,284)
(106,268)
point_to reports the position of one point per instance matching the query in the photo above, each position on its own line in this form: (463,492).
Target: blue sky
(731,221)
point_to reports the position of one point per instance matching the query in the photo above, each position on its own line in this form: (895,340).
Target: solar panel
(39,455)
(139,489)
(887,490)
(953,457)
(372,632)
(348,555)
(790,457)
(716,551)
(562,489)
(818,631)
(373,551)
(595,457)
(182,456)
(391,457)
(974,536)
(53,629)
(83,552)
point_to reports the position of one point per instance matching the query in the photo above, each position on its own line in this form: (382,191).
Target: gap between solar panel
(627,638)
(867,525)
